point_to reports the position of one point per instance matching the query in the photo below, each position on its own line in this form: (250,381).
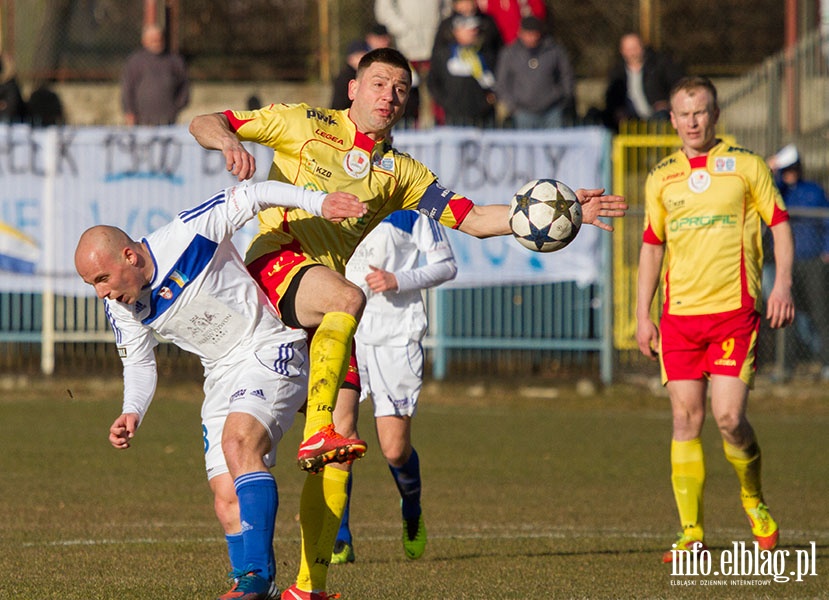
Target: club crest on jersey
(356,163)
(699,181)
(725,164)
(165,293)
(383,162)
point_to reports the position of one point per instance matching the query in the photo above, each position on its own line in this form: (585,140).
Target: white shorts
(392,376)
(271,385)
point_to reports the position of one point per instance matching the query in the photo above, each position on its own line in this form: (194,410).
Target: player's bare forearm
(780,306)
(595,205)
(487,221)
(650,266)
(212,131)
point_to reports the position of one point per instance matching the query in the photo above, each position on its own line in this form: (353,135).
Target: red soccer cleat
(326,446)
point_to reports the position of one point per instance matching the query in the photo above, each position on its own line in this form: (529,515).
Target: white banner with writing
(59,181)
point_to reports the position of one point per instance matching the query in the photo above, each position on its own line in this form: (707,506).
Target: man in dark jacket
(462,79)
(155,86)
(12,106)
(639,84)
(534,78)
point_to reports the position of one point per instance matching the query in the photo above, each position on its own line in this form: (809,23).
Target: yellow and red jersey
(321,149)
(708,212)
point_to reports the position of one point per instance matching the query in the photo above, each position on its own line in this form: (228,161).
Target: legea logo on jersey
(356,163)
(329,136)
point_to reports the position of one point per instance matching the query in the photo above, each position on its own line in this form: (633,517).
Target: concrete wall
(100,103)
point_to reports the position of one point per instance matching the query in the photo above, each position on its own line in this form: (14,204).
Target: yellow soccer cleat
(763,527)
(684,543)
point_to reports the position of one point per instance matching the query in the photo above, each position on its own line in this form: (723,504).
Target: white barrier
(59,181)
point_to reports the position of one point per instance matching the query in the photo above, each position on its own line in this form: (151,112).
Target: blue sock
(258,501)
(235,550)
(407,479)
(344,534)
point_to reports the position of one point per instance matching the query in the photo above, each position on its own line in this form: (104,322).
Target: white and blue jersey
(202,299)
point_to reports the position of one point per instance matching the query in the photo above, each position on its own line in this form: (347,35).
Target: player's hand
(238,160)
(380,281)
(338,206)
(122,430)
(647,336)
(780,308)
(595,204)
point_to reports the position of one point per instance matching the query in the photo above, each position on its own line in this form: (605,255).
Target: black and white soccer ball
(545,215)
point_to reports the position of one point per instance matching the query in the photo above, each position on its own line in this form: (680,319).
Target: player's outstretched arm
(487,221)
(213,132)
(338,206)
(122,430)
(595,204)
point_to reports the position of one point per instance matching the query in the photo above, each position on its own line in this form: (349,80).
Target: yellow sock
(329,355)
(688,480)
(321,509)
(747,464)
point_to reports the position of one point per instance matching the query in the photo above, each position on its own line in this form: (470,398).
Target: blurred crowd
(498,63)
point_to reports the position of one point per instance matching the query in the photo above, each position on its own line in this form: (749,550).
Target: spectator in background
(489,38)
(154,87)
(639,84)
(377,37)
(44,108)
(413,26)
(339,95)
(461,79)
(12,106)
(488,41)
(811,257)
(534,79)
(508,14)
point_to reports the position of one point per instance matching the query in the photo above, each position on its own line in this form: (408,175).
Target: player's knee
(731,425)
(687,425)
(350,299)
(397,455)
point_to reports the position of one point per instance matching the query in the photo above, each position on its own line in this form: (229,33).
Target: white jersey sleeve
(397,245)
(136,347)
(434,248)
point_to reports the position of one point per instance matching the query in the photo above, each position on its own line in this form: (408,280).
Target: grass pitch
(535,492)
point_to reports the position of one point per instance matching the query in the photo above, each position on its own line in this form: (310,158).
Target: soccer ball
(545,215)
